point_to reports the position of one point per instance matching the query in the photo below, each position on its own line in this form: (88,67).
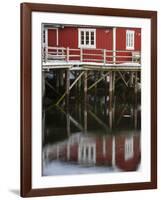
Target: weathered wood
(136,83)
(110,97)
(81,54)
(85,101)
(67,56)
(104,56)
(85,85)
(47,83)
(100,79)
(74,121)
(67,79)
(122,77)
(62,97)
(98,120)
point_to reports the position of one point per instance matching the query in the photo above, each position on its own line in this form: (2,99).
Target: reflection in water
(91,138)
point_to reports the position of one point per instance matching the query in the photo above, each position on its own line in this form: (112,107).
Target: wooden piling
(136,83)
(131,79)
(111,84)
(85,101)
(67,77)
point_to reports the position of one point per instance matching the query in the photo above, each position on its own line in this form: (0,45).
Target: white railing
(90,55)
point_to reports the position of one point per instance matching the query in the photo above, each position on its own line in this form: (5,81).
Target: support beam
(62,97)
(122,77)
(100,79)
(47,83)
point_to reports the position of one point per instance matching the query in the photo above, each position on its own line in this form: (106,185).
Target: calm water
(93,137)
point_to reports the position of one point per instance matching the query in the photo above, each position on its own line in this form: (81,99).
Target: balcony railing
(90,55)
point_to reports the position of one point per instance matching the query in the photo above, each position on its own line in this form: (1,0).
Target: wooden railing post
(67,54)
(81,54)
(104,56)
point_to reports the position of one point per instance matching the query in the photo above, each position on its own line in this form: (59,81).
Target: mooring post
(85,101)
(67,87)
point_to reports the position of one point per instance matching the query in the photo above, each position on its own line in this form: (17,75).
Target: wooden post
(81,54)
(135,116)
(113,82)
(61,78)
(114,45)
(136,83)
(85,85)
(79,85)
(85,101)
(67,87)
(131,79)
(57,79)
(110,85)
(67,58)
(110,97)
(104,56)
(135,104)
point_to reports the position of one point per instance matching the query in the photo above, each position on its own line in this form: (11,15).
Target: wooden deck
(91,66)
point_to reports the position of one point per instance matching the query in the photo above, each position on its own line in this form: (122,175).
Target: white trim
(46,37)
(114,45)
(57,37)
(79,38)
(130,42)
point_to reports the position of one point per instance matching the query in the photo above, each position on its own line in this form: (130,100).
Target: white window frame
(130,39)
(86,45)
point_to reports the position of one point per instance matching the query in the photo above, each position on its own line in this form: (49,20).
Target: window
(87,38)
(130,39)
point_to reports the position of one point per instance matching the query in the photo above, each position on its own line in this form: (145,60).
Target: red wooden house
(91,44)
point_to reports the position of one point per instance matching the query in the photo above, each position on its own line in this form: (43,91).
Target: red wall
(121,38)
(68,37)
(52,37)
